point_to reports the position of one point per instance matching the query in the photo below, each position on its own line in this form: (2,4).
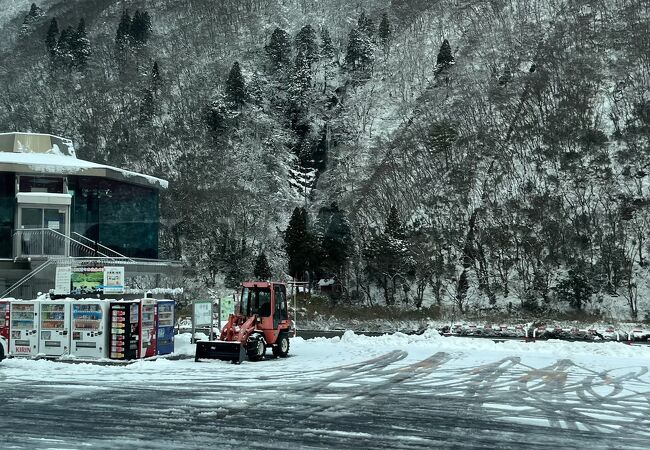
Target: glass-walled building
(52,203)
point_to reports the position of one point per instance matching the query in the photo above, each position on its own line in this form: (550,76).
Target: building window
(122,216)
(40,184)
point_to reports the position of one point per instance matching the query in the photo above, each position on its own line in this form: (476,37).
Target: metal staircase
(55,248)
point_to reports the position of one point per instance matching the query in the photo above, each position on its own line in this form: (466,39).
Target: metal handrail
(119,255)
(66,239)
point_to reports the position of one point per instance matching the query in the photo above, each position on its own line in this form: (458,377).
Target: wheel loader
(261,320)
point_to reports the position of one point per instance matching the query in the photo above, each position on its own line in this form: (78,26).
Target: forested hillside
(470,153)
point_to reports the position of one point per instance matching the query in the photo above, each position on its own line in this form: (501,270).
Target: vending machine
(149,316)
(23,328)
(125,329)
(54,334)
(165,342)
(4,320)
(90,329)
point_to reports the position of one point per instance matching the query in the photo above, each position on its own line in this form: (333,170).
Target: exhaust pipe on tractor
(232,351)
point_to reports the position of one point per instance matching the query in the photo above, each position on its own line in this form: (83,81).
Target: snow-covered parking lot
(394,391)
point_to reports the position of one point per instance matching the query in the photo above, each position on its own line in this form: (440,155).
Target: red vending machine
(125,329)
(148,330)
(4,319)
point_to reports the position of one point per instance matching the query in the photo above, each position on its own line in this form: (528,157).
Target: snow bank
(315,357)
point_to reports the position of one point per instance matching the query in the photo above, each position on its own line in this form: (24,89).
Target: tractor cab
(266,300)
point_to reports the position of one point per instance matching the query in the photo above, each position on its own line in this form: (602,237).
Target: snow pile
(315,357)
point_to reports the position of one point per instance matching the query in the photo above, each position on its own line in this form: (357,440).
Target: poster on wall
(113,280)
(62,280)
(87,280)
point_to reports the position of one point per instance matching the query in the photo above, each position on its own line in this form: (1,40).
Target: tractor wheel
(255,348)
(281,348)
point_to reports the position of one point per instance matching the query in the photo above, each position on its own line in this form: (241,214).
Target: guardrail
(531,333)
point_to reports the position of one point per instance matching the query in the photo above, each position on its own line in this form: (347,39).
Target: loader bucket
(226,351)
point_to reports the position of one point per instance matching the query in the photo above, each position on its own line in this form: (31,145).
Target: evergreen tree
(385,33)
(394,226)
(298,244)
(337,240)
(30,19)
(575,289)
(327,50)
(146,26)
(235,87)
(300,78)
(262,269)
(279,49)
(35,11)
(51,37)
(255,89)
(140,28)
(306,44)
(147,107)
(156,79)
(445,58)
(123,34)
(366,25)
(389,261)
(80,46)
(359,52)
(64,47)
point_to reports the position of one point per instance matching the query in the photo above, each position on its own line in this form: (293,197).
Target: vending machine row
(88,329)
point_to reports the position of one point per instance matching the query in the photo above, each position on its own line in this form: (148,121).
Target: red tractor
(261,321)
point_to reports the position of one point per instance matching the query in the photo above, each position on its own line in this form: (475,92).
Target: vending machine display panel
(165,344)
(125,330)
(24,328)
(90,337)
(55,328)
(148,328)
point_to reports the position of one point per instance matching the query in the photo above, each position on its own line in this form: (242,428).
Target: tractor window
(256,301)
(264,302)
(280,303)
(245,304)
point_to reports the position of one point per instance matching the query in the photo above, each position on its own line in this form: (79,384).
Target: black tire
(256,348)
(2,352)
(281,348)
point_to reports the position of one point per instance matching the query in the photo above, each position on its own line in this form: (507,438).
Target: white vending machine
(90,329)
(24,328)
(55,328)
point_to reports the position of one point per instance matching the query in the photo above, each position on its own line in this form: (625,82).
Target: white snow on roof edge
(56,163)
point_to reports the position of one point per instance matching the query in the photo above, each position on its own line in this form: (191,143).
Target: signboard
(53,224)
(202,313)
(62,280)
(87,280)
(113,280)
(227,307)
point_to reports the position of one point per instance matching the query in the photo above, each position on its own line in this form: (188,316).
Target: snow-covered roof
(46,154)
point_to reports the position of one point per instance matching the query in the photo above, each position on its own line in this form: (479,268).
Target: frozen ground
(355,392)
